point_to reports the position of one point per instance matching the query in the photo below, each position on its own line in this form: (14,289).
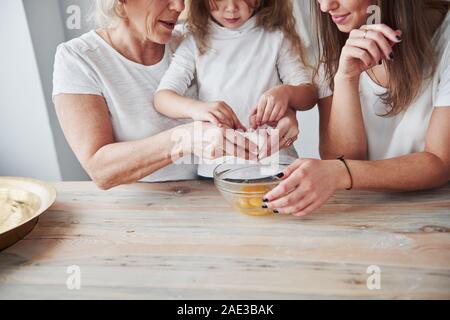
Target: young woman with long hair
(387,116)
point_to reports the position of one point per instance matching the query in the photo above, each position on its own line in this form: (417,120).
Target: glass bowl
(244,185)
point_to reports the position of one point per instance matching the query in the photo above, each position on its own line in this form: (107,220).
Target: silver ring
(288,141)
(365,34)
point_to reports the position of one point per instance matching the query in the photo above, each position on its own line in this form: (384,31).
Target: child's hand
(219,114)
(272,106)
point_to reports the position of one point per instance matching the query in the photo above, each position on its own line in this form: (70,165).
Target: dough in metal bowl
(16,207)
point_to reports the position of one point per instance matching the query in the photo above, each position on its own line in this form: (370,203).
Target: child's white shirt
(238,67)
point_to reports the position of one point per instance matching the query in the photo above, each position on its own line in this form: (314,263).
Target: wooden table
(182,241)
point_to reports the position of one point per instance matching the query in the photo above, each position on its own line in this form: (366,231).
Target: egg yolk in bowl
(252,203)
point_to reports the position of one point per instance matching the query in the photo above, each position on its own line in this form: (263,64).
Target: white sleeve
(290,69)
(179,33)
(442,93)
(322,84)
(180,74)
(72,74)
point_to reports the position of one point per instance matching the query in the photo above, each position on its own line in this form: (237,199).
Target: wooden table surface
(182,241)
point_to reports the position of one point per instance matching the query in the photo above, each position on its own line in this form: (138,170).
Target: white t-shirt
(238,67)
(89,65)
(405,133)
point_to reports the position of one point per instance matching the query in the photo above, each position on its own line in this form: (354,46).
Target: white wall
(87,23)
(26,141)
(47,32)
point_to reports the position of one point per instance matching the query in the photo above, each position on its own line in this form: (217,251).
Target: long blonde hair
(415,58)
(270,14)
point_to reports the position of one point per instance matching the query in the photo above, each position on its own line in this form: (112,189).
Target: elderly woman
(104,84)
(390,112)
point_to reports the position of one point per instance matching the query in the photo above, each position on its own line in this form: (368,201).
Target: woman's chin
(346,28)
(161,38)
(350,24)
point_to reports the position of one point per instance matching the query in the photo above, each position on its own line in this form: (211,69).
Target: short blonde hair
(106,13)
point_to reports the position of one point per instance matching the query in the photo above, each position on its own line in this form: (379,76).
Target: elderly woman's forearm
(128,162)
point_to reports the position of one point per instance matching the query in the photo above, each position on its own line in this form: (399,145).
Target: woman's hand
(281,135)
(271,107)
(218,113)
(307,185)
(288,129)
(365,48)
(208,141)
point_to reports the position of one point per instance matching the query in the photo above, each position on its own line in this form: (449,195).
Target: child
(248,62)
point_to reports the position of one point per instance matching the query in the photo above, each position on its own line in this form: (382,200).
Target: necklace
(373,76)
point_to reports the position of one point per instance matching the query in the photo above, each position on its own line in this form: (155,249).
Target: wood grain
(181,240)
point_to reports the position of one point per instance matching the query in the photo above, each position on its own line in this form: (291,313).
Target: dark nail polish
(399,38)
(281,175)
(265,200)
(264,206)
(391,56)
(276,211)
